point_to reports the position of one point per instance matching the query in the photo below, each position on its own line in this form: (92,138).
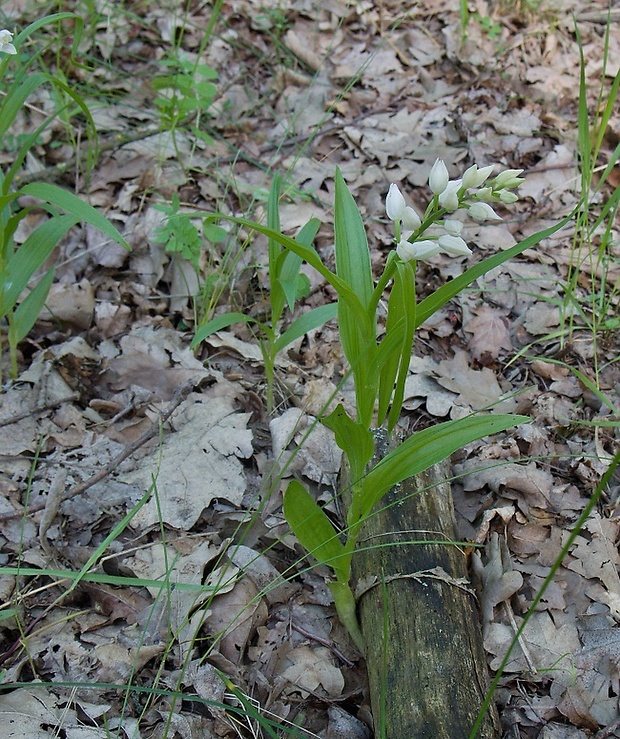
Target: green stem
(346,608)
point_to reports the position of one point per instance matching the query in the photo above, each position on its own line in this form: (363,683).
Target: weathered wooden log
(426,665)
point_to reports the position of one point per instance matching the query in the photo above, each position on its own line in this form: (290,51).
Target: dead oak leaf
(198,463)
(476,389)
(490,334)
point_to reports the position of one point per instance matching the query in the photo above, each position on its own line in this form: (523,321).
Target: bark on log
(426,665)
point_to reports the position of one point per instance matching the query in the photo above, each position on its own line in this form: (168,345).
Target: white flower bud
(411,220)
(486,195)
(419,250)
(453,245)
(449,198)
(508,197)
(438,178)
(483,212)
(508,178)
(395,203)
(474,177)
(453,227)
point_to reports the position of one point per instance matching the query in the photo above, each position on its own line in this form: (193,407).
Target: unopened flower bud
(486,195)
(508,178)
(453,227)
(508,197)
(395,203)
(411,220)
(474,177)
(419,250)
(483,212)
(453,245)
(438,178)
(449,198)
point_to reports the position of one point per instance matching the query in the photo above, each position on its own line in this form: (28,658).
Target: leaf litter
(222,594)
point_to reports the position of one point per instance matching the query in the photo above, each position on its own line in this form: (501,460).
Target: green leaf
(290,263)
(217,324)
(357,328)
(29,257)
(356,441)
(431,304)
(405,277)
(351,245)
(30,308)
(421,451)
(313,529)
(71,204)
(307,322)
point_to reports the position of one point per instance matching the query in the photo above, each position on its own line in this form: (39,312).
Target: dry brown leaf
(490,333)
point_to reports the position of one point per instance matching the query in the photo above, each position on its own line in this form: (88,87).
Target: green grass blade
(216,324)
(30,256)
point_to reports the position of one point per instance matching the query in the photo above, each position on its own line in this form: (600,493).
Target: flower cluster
(449,196)
(6,45)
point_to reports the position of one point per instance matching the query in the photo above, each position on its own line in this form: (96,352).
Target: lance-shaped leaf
(421,451)
(314,530)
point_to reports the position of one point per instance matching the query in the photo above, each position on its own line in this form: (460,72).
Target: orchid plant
(379,353)
(23,289)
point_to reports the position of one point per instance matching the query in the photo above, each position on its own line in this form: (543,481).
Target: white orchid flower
(411,220)
(398,210)
(453,227)
(449,198)
(508,178)
(418,250)
(438,178)
(6,46)
(474,177)
(455,246)
(483,212)
(395,203)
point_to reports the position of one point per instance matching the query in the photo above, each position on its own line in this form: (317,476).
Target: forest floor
(302,87)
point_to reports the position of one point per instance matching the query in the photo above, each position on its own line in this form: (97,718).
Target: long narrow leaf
(431,304)
(216,324)
(421,451)
(30,308)
(305,323)
(313,529)
(70,203)
(30,256)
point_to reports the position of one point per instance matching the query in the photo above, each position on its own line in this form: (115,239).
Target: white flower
(395,203)
(6,47)
(486,195)
(419,250)
(449,198)
(411,220)
(398,210)
(453,245)
(508,178)
(483,212)
(474,177)
(453,227)
(438,178)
